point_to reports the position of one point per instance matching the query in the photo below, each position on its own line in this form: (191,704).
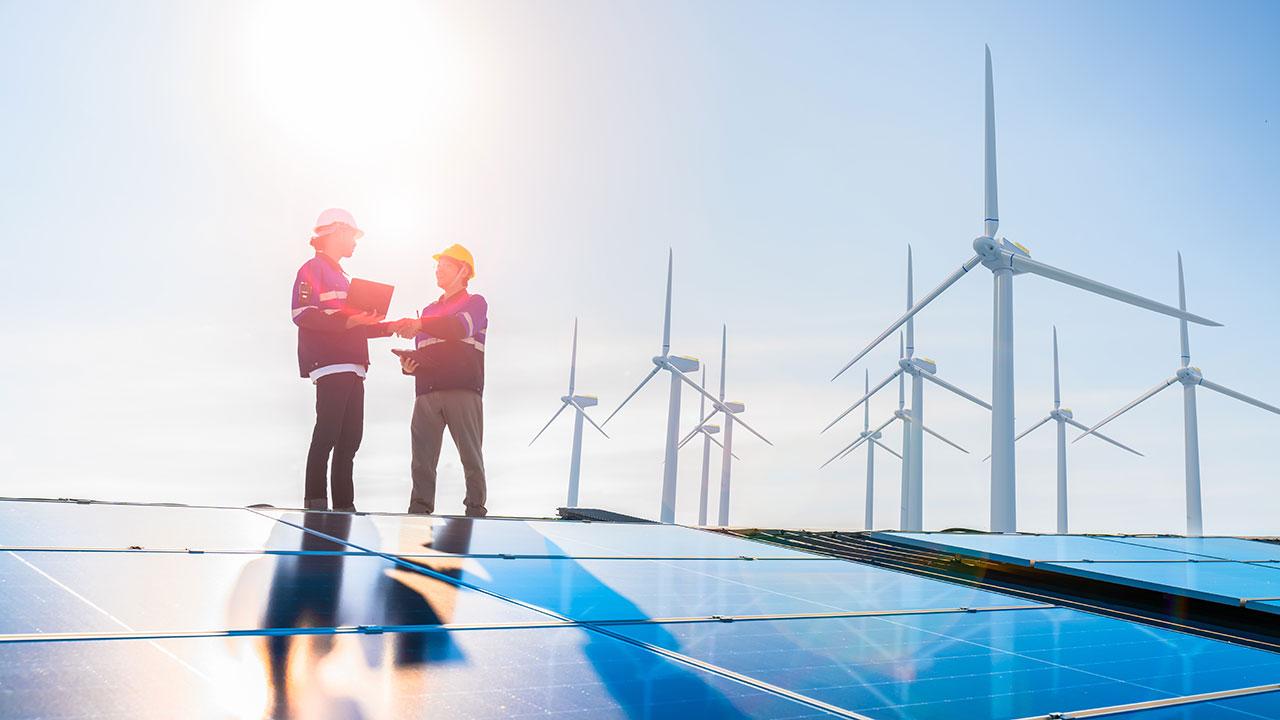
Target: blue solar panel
(514,673)
(1028,549)
(176,592)
(37,524)
(1248,707)
(426,536)
(1221,548)
(1216,581)
(1001,664)
(593,590)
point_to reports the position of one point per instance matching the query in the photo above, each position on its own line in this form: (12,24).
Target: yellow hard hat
(459,253)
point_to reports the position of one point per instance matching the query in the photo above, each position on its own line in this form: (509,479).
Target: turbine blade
(1026,264)
(1080,426)
(724,350)
(886,448)
(736,419)
(1057,388)
(1141,398)
(1183,334)
(990,201)
(970,264)
(666,315)
(1030,430)
(911,323)
(944,384)
(1239,396)
(680,445)
(553,419)
(573,357)
(717,442)
(935,434)
(863,399)
(844,451)
(643,382)
(587,417)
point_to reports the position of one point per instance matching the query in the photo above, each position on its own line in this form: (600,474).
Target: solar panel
(317,624)
(1248,707)
(426,535)
(1000,664)
(1232,583)
(560,672)
(103,526)
(1222,548)
(1029,549)
(598,590)
(143,592)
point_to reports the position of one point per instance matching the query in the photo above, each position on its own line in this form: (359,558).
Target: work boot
(317,504)
(348,508)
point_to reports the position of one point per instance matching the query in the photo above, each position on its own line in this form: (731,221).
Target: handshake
(404,327)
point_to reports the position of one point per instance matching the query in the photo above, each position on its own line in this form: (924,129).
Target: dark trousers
(339,428)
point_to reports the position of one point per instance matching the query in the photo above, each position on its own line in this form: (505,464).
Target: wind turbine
(908,500)
(677,365)
(1190,376)
(731,410)
(1063,417)
(1006,259)
(708,433)
(579,403)
(920,369)
(872,440)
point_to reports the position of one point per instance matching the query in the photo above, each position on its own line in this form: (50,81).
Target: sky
(164,162)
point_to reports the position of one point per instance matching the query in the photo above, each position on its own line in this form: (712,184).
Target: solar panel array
(1227,570)
(162,612)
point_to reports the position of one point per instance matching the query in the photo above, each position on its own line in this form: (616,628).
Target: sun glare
(356,76)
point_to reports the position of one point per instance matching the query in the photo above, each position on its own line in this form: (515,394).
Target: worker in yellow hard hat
(447,365)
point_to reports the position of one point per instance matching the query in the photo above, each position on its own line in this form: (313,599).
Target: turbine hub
(1061,414)
(917,365)
(1190,375)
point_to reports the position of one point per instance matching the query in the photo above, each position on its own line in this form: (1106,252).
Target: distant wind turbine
(677,365)
(731,411)
(579,403)
(708,433)
(920,369)
(1190,376)
(1063,417)
(1006,259)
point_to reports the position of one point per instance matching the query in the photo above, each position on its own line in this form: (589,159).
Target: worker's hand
(407,327)
(364,318)
(408,364)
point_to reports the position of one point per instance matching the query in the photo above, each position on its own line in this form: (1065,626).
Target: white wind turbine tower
(1063,417)
(731,410)
(677,365)
(1006,259)
(907,502)
(579,403)
(1190,376)
(920,369)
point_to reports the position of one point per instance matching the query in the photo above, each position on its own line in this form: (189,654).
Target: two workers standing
(447,365)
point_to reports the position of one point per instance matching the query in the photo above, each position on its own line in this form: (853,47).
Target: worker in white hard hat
(333,352)
(448,372)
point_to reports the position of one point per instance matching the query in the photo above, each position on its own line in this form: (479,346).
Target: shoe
(349,508)
(317,504)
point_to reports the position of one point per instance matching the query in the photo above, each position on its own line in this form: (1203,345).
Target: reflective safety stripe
(429,341)
(471,326)
(331,311)
(333,295)
(304,308)
(476,343)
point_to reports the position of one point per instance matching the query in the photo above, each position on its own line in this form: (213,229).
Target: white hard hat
(332,216)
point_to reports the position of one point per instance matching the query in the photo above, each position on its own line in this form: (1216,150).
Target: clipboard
(369,296)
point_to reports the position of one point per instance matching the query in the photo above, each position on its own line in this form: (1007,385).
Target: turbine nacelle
(582,401)
(996,254)
(1062,414)
(733,407)
(917,365)
(711,429)
(1189,375)
(678,363)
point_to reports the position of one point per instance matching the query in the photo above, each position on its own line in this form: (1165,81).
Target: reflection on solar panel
(1230,571)
(279,614)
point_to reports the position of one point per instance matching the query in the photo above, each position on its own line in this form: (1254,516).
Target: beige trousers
(462,412)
